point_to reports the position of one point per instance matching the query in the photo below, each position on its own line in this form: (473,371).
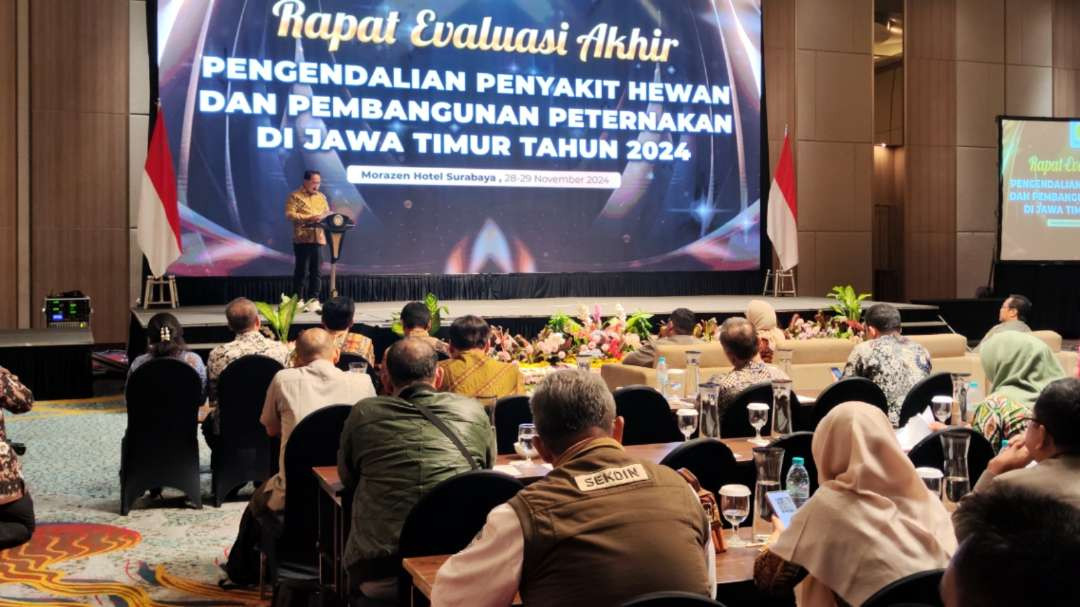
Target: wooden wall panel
(79,154)
(8,167)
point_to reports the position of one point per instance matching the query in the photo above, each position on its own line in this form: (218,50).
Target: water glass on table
(676,381)
(525,447)
(358,367)
(942,407)
(735,506)
(688,420)
(931,477)
(759,415)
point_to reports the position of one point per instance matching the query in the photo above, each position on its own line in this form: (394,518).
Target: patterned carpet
(83,552)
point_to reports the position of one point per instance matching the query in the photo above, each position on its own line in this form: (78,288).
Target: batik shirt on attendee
(738,380)
(245,344)
(16,398)
(894,363)
(475,374)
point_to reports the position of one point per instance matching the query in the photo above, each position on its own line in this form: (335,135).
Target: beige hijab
(763,317)
(871,521)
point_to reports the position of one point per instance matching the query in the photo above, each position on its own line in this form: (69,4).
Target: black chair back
(647,415)
(313,442)
(736,423)
(797,444)
(711,461)
(671,599)
(449,516)
(929,452)
(510,412)
(918,399)
(243,450)
(921,588)
(160,447)
(857,389)
(347,358)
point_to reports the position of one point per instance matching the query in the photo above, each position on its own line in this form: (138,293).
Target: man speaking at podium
(304,208)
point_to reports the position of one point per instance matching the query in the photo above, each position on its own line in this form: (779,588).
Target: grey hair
(883,317)
(569,402)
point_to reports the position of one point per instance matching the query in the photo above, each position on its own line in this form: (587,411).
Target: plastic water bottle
(975,395)
(798,482)
(661,375)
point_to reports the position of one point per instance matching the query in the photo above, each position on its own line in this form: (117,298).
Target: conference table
(738,562)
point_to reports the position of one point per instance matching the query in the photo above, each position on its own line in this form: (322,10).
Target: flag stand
(160,291)
(780,282)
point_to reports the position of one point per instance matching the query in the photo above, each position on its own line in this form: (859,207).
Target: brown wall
(79,156)
(8,168)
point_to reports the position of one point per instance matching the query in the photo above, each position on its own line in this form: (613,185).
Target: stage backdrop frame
(395,287)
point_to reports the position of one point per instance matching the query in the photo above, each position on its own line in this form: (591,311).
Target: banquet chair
(510,412)
(313,442)
(857,389)
(347,358)
(918,588)
(647,416)
(711,461)
(930,453)
(160,447)
(671,598)
(918,399)
(797,444)
(449,516)
(243,451)
(735,422)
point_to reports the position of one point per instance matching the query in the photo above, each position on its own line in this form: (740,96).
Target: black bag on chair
(303,593)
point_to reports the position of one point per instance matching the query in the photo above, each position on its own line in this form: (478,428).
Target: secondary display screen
(1040,190)
(464,136)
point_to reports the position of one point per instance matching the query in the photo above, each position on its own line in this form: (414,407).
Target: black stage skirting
(1054,289)
(202,291)
(53,363)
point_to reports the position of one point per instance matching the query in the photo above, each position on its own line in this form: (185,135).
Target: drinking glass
(759,414)
(693,372)
(358,367)
(942,407)
(767,462)
(526,434)
(688,419)
(782,422)
(960,393)
(782,359)
(676,381)
(931,477)
(735,506)
(584,362)
(957,482)
(708,394)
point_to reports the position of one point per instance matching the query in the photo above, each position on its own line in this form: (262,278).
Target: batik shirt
(16,398)
(475,374)
(894,363)
(245,344)
(732,384)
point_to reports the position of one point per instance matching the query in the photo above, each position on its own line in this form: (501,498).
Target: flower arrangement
(844,323)
(565,337)
(707,330)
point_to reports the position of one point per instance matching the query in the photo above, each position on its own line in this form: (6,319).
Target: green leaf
(397,328)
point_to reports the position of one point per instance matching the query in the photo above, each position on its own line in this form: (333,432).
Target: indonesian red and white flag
(159,214)
(783,211)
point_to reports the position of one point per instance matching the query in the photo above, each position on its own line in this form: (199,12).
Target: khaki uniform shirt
(303,208)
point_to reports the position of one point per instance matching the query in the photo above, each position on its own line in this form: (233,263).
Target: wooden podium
(335,225)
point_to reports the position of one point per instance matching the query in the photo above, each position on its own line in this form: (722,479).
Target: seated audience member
(770,336)
(16,507)
(243,319)
(1017,547)
(576,537)
(337,318)
(1012,316)
(1018,366)
(1052,439)
(740,343)
(391,455)
(890,360)
(293,395)
(470,371)
(870,523)
(165,338)
(416,322)
(679,329)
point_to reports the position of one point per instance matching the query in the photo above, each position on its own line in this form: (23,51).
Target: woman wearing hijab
(1018,366)
(763,317)
(871,522)
(165,338)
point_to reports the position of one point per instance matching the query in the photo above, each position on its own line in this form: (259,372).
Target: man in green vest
(600,529)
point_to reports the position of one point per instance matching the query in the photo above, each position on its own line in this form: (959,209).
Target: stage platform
(204,326)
